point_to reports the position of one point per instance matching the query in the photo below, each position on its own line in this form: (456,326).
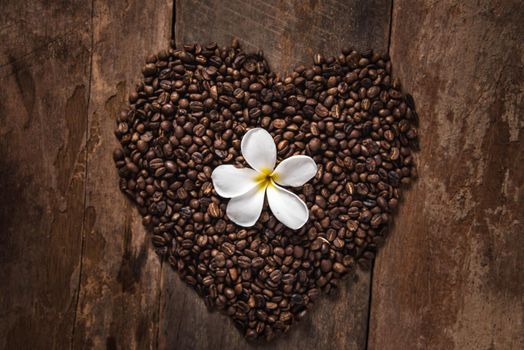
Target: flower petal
(295,171)
(259,150)
(245,209)
(287,207)
(232,182)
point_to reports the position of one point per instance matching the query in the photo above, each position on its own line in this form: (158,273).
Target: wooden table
(77,269)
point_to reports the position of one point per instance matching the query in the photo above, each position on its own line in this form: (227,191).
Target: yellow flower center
(265,178)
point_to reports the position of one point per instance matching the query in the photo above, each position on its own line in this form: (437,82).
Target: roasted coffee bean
(275,276)
(314,145)
(244,262)
(257,262)
(214,210)
(229,293)
(220,260)
(189,115)
(228,248)
(321,110)
(325,265)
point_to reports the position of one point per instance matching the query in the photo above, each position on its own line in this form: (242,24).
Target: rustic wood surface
(76,266)
(44,89)
(77,269)
(451,274)
(289,33)
(120,278)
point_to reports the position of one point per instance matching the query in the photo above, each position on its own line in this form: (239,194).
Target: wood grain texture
(289,32)
(44,87)
(337,321)
(450,276)
(118,306)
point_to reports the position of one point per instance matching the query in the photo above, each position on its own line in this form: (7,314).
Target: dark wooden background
(77,270)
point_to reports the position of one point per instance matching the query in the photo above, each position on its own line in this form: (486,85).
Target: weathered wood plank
(450,276)
(118,306)
(289,32)
(44,84)
(338,321)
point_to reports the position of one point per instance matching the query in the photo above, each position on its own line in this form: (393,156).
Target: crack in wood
(82,231)
(370,300)
(370,303)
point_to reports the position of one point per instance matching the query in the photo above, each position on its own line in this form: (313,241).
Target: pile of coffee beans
(188,116)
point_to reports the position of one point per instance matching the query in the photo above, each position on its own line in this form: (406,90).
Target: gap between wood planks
(370,299)
(162,260)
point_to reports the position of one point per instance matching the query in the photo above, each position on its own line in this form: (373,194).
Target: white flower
(247,187)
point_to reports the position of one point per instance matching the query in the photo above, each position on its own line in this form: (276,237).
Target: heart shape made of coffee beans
(188,116)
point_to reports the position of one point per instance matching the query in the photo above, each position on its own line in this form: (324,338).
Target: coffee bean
(339,268)
(373,91)
(298,251)
(275,276)
(214,210)
(316,245)
(314,145)
(149,69)
(321,110)
(229,293)
(244,262)
(118,155)
(257,262)
(279,123)
(325,265)
(220,260)
(228,248)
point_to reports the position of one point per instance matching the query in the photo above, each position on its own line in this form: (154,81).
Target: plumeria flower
(247,187)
